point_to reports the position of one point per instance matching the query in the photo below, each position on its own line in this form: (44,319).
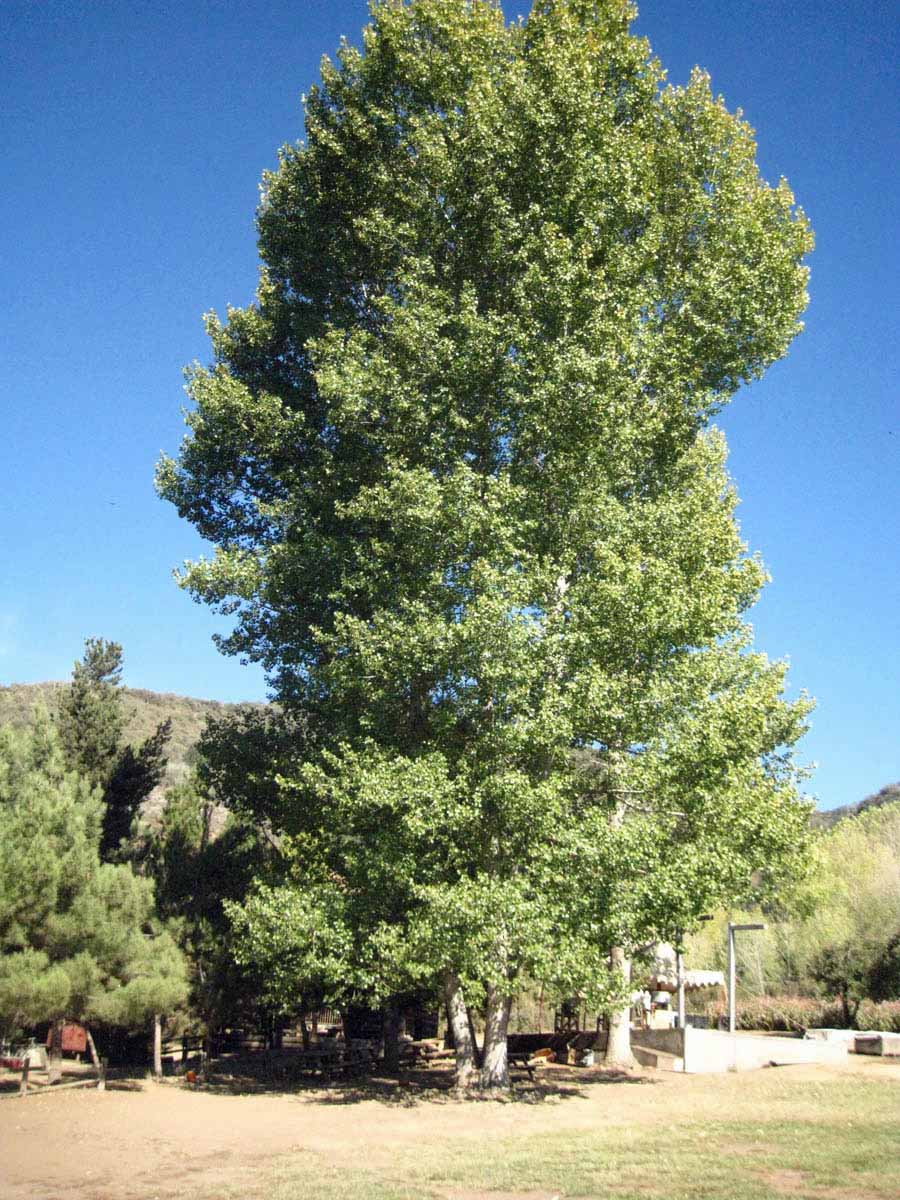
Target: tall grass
(796,1013)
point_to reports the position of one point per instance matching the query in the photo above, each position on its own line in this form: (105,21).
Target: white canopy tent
(665,975)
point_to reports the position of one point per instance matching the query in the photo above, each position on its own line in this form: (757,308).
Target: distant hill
(144,711)
(890,794)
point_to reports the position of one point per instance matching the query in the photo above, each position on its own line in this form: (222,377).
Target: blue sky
(134,137)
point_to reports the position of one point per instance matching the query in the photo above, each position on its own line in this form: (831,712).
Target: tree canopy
(199,870)
(467,510)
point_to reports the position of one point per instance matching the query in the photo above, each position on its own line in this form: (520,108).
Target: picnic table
(326,1062)
(425,1053)
(520,1060)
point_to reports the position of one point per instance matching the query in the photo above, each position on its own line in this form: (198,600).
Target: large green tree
(201,863)
(79,938)
(466,511)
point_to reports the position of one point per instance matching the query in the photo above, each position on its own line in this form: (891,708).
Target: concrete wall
(699,1050)
(669,1041)
(831,1035)
(708,1050)
(877,1043)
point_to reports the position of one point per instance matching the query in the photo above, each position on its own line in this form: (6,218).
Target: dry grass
(144,710)
(812,1133)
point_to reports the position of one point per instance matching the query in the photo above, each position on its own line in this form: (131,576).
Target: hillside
(144,711)
(890,794)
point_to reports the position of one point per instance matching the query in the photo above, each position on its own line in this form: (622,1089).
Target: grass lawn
(783,1136)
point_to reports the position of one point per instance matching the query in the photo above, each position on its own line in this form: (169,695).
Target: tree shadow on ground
(425,1085)
(84,1079)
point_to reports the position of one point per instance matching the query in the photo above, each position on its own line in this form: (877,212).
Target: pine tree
(91,721)
(91,718)
(134,776)
(198,870)
(79,938)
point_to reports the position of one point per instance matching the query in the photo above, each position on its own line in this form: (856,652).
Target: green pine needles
(79,938)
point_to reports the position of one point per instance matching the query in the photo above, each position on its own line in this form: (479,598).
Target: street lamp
(732,990)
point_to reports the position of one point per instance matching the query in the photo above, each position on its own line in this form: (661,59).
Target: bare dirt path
(161,1140)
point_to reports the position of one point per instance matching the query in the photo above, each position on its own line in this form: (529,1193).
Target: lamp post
(732,989)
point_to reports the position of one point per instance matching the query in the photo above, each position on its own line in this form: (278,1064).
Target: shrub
(796,1013)
(883,1015)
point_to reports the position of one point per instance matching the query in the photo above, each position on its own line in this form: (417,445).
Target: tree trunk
(54,1068)
(463,1041)
(449,1043)
(495,1066)
(391,1028)
(93,1049)
(473,1036)
(849,1009)
(618,1045)
(304,1028)
(157,1046)
(209,1046)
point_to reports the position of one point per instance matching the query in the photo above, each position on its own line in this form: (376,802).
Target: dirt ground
(143,1141)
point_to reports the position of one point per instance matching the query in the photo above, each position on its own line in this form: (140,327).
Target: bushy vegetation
(209,865)
(832,945)
(796,1013)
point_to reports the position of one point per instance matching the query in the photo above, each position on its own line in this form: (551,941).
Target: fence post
(93,1049)
(54,1070)
(26,1068)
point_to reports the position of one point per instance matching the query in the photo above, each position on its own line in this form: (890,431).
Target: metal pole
(731,979)
(679,978)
